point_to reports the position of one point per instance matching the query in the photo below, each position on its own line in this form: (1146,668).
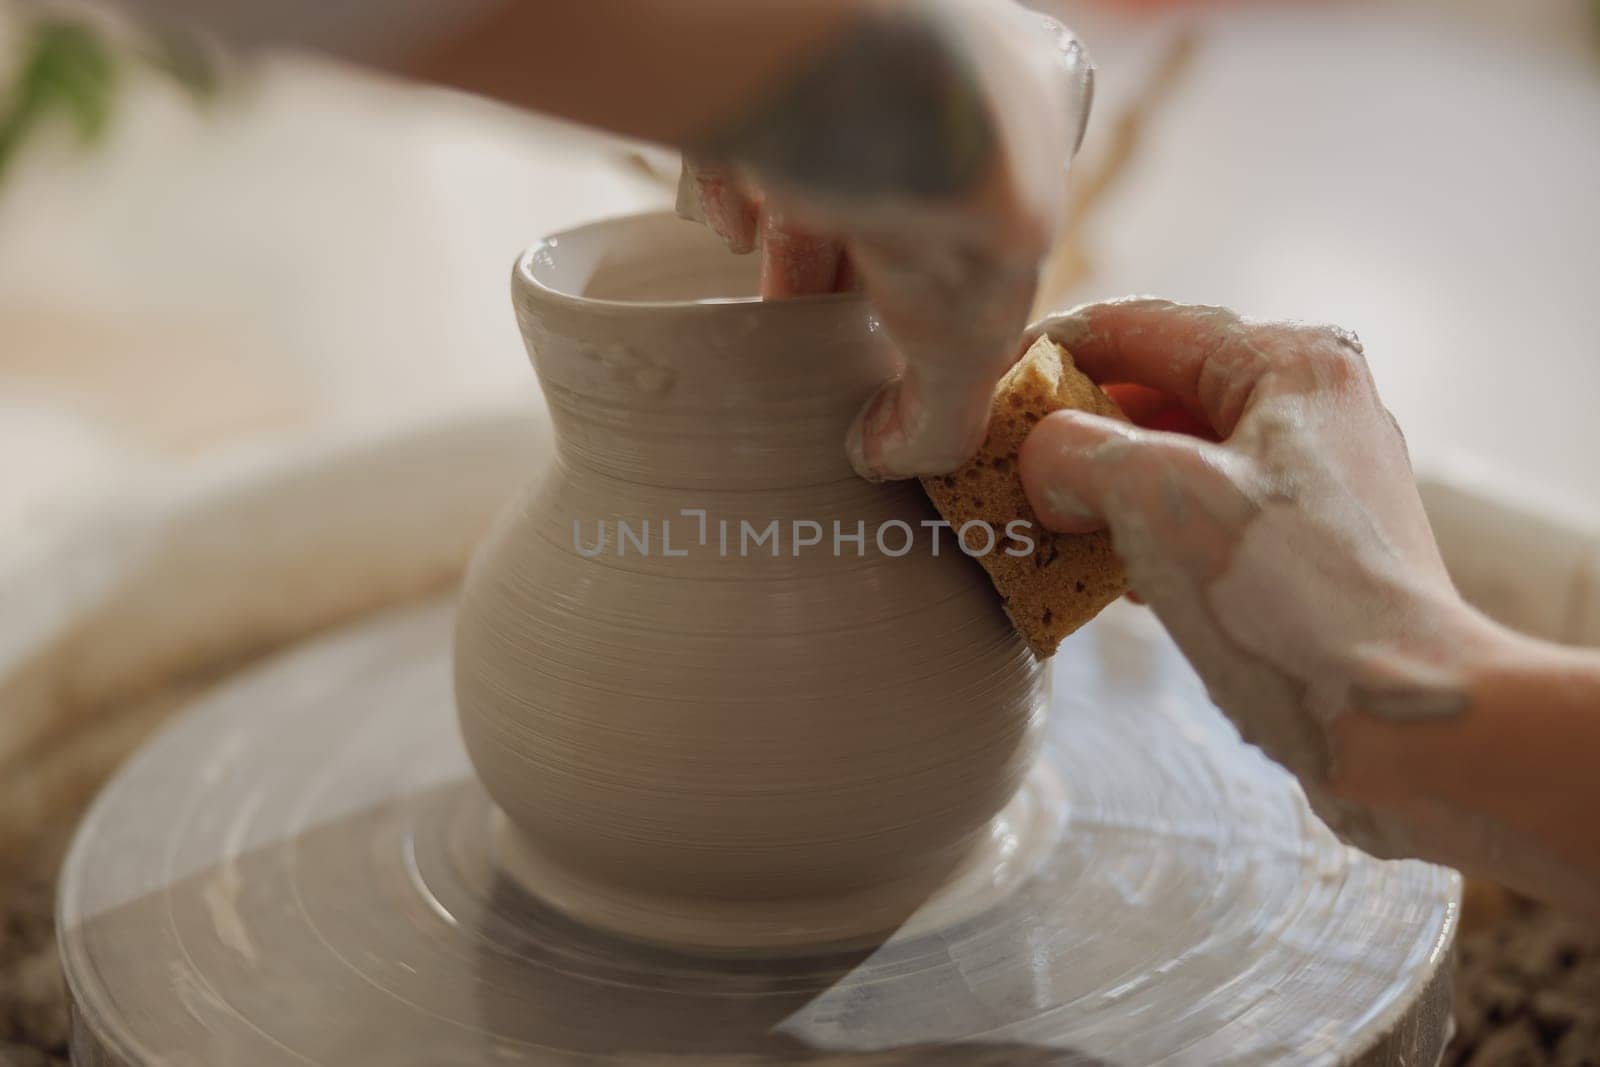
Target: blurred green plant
(69,70)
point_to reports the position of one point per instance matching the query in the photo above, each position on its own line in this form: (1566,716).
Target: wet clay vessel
(724,691)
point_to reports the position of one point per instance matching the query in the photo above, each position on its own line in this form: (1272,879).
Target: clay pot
(694,734)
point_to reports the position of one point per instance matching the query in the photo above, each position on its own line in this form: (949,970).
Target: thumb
(954,315)
(1082,472)
(919,424)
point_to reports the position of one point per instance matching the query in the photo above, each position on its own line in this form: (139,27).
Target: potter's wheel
(303,870)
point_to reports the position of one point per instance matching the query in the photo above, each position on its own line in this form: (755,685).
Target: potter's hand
(918,153)
(1292,562)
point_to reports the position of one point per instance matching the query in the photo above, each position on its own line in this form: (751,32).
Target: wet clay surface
(700,664)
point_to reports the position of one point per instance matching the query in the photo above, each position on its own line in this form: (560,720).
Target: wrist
(1499,786)
(1408,706)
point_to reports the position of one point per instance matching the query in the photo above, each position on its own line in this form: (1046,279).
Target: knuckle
(1322,356)
(1230,371)
(1334,344)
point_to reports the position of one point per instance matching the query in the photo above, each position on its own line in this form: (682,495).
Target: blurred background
(228,271)
(203,250)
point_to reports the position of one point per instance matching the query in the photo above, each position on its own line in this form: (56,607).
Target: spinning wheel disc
(303,870)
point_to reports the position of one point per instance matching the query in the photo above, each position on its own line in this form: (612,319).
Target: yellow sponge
(1067,578)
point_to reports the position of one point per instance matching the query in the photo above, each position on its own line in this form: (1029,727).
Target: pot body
(678,671)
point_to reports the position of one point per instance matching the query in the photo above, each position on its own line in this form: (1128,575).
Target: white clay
(705,720)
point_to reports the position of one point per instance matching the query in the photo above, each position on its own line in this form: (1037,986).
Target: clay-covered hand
(920,154)
(1290,558)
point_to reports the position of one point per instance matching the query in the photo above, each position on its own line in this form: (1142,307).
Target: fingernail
(879,445)
(881,411)
(855,442)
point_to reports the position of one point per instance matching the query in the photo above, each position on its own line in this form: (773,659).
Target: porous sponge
(1067,578)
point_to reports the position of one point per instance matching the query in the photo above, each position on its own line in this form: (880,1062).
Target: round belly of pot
(723,691)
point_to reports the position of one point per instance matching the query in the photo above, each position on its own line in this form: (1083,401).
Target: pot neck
(717,395)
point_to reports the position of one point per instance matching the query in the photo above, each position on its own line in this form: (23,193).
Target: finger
(795,262)
(1139,402)
(711,193)
(1155,410)
(1206,357)
(1059,465)
(954,312)
(1082,472)
(914,425)
(1177,419)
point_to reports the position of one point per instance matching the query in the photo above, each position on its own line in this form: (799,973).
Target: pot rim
(526,281)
